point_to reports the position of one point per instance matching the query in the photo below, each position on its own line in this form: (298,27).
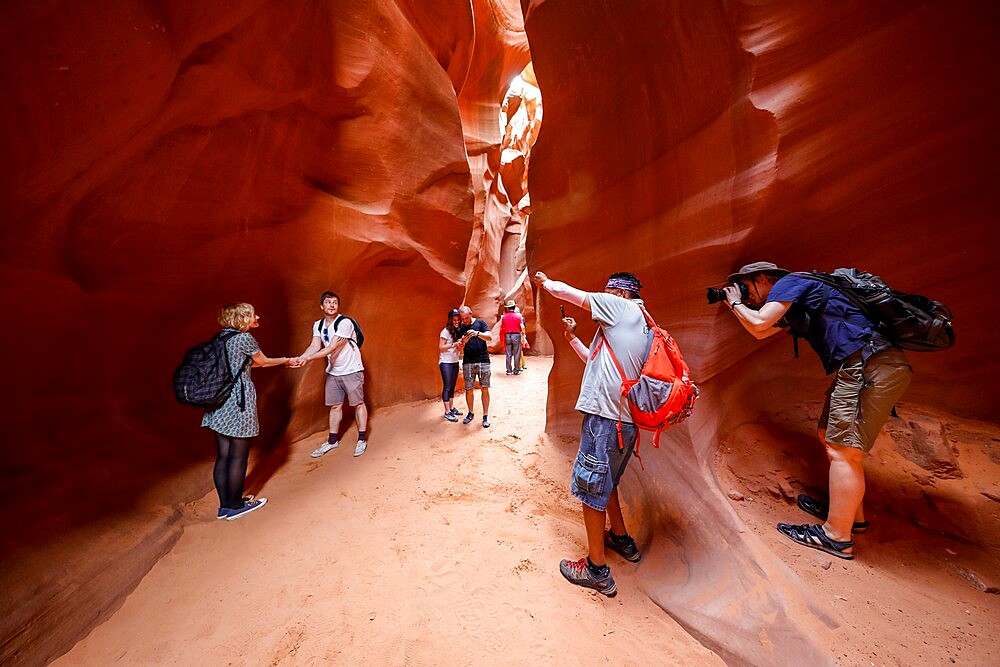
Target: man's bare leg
(336,413)
(361,414)
(615,514)
(594,521)
(847,490)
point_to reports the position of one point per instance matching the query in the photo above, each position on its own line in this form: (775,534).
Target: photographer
(601,460)
(871,374)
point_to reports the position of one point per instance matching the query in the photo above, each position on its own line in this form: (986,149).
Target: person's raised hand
(732,294)
(540,277)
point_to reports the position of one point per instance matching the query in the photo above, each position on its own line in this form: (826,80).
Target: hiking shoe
(486,422)
(456,412)
(819,509)
(468,418)
(450,417)
(360,449)
(577,572)
(323,449)
(246,509)
(625,548)
(816,538)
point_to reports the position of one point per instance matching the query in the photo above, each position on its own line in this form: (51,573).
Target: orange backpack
(663,394)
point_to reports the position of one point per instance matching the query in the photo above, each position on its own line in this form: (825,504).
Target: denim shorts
(599,462)
(473,370)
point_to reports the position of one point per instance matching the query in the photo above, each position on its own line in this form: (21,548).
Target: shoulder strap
(832,282)
(604,339)
(336,323)
(224,337)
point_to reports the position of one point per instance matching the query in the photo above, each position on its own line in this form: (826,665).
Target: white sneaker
(360,449)
(323,449)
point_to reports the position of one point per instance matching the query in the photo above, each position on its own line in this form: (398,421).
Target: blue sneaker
(224,511)
(246,509)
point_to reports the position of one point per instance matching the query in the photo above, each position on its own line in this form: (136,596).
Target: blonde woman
(235,421)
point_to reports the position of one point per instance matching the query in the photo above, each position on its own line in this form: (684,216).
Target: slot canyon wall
(684,139)
(164,159)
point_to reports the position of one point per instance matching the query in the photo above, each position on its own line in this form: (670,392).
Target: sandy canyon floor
(440,546)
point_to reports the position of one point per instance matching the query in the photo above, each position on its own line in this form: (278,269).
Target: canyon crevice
(164,159)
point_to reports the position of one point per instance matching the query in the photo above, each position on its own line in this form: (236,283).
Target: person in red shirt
(512,330)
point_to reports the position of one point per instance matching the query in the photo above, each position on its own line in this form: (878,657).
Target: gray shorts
(351,385)
(861,397)
(600,463)
(472,371)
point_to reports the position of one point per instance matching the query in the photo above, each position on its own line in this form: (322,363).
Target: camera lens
(715,295)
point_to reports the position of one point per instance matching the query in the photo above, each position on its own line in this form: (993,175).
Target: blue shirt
(835,331)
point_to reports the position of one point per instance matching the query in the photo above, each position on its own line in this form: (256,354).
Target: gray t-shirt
(628,334)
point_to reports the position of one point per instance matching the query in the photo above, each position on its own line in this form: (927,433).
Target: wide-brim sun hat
(511,304)
(757,267)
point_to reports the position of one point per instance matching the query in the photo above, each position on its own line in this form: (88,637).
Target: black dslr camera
(715,294)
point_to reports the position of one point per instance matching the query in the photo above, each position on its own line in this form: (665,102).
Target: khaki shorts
(351,385)
(861,397)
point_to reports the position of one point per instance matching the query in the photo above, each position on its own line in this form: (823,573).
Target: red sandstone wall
(163,159)
(684,139)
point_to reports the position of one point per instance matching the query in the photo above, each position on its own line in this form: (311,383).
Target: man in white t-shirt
(601,461)
(335,338)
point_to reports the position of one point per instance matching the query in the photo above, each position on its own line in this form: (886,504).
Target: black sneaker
(577,572)
(468,418)
(625,548)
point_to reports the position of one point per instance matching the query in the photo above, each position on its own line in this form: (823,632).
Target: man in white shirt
(335,338)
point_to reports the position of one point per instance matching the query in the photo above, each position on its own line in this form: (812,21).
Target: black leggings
(449,375)
(230,469)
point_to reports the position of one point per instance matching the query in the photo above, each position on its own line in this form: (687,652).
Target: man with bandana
(601,461)
(870,375)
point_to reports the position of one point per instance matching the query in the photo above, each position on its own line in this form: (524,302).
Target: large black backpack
(911,321)
(204,378)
